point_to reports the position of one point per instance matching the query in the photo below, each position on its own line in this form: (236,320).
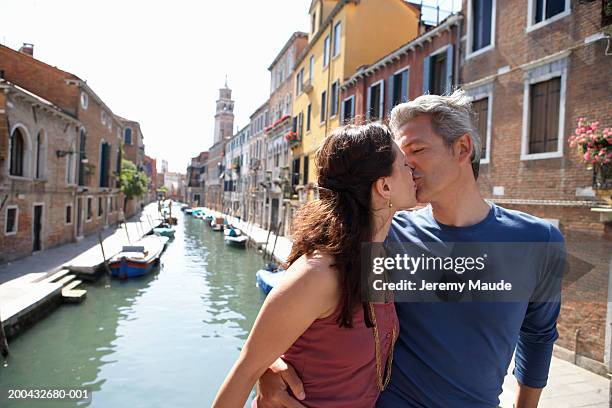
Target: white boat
(235,237)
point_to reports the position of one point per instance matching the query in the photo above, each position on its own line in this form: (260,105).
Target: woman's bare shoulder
(316,269)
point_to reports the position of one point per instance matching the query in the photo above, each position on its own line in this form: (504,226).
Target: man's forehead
(413,131)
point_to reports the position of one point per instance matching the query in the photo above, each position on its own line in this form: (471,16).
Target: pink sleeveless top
(338,365)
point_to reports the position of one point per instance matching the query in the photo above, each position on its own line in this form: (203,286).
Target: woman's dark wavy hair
(351,158)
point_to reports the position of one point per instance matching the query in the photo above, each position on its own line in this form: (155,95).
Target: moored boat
(268,278)
(234,237)
(138,259)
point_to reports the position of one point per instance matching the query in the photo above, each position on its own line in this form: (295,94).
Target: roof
(37,61)
(37,100)
(446,24)
(294,36)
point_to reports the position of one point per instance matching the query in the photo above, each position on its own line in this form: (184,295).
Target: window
(333,109)
(299,82)
(481,29)
(308,114)
(18,152)
(544,111)
(323,105)
(337,38)
(300,124)
(480,108)
(438,72)
(118,167)
(89,208)
(69,214)
(295,174)
(326,52)
(84,100)
(127,136)
(310,69)
(544,100)
(11,220)
(41,155)
(70,160)
(104,164)
(348,109)
(305,179)
(82,157)
(542,12)
(103,117)
(100,208)
(398,88)
(375,101)
(313,22)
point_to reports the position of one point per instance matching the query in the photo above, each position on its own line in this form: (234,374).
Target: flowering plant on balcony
(594,143)
(292,137)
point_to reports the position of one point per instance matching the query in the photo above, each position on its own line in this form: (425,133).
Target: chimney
(27,49)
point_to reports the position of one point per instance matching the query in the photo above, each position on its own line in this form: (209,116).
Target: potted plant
(594,144)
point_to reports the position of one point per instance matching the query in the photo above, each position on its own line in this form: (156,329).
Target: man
(456,354)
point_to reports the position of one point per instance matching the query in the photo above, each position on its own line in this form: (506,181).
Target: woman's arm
(309,292)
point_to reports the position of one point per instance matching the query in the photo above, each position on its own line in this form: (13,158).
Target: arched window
(127,138)
(18,151)
(41,155)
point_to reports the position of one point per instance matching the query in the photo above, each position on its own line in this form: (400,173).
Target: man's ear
(463,148)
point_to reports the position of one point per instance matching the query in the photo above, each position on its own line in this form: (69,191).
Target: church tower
(224,118)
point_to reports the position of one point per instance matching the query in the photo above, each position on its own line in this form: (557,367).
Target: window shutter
(449,69)
(426,72)
(390,96)
(404,96)
(552,114)
(368,110)
(381,101)
(537,118)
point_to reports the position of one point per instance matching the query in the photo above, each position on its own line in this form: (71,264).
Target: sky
(162,63)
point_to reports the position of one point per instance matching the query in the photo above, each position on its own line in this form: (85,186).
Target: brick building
(92,160)
(278,138)
(426,64)
(37,173)
(234,180)
(134,151)
(196,180)
(531,72)
(97,149)
(255,158)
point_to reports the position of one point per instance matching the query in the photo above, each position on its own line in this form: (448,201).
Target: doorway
(37,227)
(79,214)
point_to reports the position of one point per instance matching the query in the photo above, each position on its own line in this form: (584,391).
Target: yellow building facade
(344,35)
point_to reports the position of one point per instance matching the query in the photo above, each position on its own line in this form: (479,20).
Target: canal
(166,340)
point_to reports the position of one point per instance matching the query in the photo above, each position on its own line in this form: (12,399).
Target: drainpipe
(459,32)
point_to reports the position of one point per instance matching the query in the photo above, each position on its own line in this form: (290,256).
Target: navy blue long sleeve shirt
(456,354)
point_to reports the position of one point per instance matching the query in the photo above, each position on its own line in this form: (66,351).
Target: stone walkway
(569,386)
(51,260)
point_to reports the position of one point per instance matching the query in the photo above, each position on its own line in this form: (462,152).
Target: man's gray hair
(451,118)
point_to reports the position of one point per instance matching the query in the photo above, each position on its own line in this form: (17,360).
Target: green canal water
(165,340)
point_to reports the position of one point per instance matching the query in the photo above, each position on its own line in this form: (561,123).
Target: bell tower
(224,118)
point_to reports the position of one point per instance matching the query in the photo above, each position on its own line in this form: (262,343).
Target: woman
(339,343)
